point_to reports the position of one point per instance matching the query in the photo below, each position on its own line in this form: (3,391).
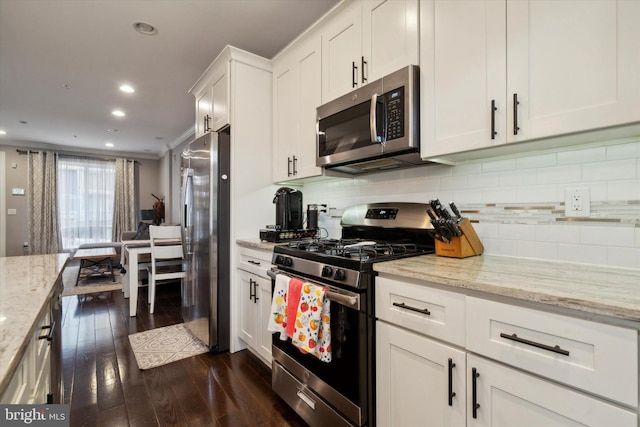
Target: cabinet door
(286,116)
(507,398)
(341,52)
(248,309)
(412,380)
(463,73)
(390,37)
(264,306)
(574,66)
(203,112)
(220,98)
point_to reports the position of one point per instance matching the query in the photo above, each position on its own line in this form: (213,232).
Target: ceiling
(62,62)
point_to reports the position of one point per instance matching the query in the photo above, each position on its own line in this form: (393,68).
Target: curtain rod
(21,152)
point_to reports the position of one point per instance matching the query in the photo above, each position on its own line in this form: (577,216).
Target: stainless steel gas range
(342,391)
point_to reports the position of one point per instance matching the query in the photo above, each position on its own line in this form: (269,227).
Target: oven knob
(339,275)
(327,271)
(287,262)
(279,259)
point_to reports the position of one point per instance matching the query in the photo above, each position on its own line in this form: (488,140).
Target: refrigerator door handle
(187,183)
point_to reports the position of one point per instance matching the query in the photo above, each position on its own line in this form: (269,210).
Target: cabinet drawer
(427,311)
(255,261)
(598,358)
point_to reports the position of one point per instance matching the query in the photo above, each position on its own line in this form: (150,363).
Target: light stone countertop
(256,243)
(603,291)
(26,285)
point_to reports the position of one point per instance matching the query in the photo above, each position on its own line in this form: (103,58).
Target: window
(85,200)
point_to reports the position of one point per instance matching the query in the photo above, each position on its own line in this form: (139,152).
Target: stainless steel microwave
(374,127)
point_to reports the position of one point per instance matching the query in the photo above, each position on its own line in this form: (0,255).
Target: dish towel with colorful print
(278,318)
(313,322)
(293,299)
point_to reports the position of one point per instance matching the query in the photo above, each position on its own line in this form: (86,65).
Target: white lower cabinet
(255,301)
(510,366)
(505,397)
(420,382)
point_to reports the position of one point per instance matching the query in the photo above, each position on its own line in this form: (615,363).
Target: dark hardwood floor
(104,386)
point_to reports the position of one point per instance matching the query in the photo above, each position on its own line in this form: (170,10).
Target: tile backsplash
(516,204)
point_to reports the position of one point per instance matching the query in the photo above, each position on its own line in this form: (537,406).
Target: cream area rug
(160,346)
(89,285)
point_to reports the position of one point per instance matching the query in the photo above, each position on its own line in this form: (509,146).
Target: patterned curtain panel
(44,236)
(124,212)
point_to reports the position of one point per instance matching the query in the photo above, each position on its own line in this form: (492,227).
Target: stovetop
(359,250)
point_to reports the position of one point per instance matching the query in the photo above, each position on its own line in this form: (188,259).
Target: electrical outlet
(577,202)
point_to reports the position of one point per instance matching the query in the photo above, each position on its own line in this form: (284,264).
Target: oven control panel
(382,213)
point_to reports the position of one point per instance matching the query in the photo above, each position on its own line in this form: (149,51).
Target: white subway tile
(559,174)
(637,232)
(439,170)
(498,165)
(623,151)
(484,180)
(623,257)
(582,254)
(457,182)
(536,194)
(612,235)
(623,190)
(539,250)
(500,247)
(499,195)
(467,196)
(519,178)
(609,170)
(517,232)
(536,161)
(559,233)
(485,230)
(584,155)
(468,169)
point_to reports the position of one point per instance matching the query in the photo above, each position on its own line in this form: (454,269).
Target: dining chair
(166,257)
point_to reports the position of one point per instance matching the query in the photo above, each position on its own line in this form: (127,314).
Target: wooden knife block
(464,246)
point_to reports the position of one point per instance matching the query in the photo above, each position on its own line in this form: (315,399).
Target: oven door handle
(342,299)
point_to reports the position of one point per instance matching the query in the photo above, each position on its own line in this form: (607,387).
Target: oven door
(308,384)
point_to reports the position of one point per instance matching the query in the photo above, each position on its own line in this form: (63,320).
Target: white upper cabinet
(365,41)
(573,66)
(502,71)
(296,95)
(212,98)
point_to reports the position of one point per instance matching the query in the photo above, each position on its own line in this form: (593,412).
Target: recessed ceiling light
(2,132)
(159,138)
(127,89)
(118,113)
(113,130)
(66,86)
(109,144)
(23,122)
(145,28)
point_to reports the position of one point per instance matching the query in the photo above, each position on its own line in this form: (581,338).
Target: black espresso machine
(290,218)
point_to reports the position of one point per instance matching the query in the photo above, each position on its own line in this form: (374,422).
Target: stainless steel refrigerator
(205,226)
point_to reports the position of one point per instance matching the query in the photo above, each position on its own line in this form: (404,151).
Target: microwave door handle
(373,121)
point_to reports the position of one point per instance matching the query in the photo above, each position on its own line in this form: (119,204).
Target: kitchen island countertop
(592,290)
(27,283)
(256,243)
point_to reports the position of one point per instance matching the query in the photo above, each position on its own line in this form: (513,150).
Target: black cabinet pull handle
(255,291)
(288,166)
(493,119)
(252,292)
(474,393)
(555,349)
(295,165)
(354,70)
(408,307)
(515,114)
(451,392)
(49,335)
(253,262)
(362,64)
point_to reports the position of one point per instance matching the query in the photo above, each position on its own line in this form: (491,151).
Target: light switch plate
(17,191)
(11,212)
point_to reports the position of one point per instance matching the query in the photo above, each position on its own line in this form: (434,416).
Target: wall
(517,203)
(16,232)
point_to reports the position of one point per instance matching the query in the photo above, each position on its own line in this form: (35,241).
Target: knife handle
(455,210)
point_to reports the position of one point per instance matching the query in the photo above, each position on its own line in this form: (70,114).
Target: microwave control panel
(394,102)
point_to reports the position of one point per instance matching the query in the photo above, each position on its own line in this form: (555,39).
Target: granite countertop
(256,243)
(605,291)
(26,285)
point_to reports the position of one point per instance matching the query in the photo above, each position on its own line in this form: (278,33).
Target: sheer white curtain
(85,200)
